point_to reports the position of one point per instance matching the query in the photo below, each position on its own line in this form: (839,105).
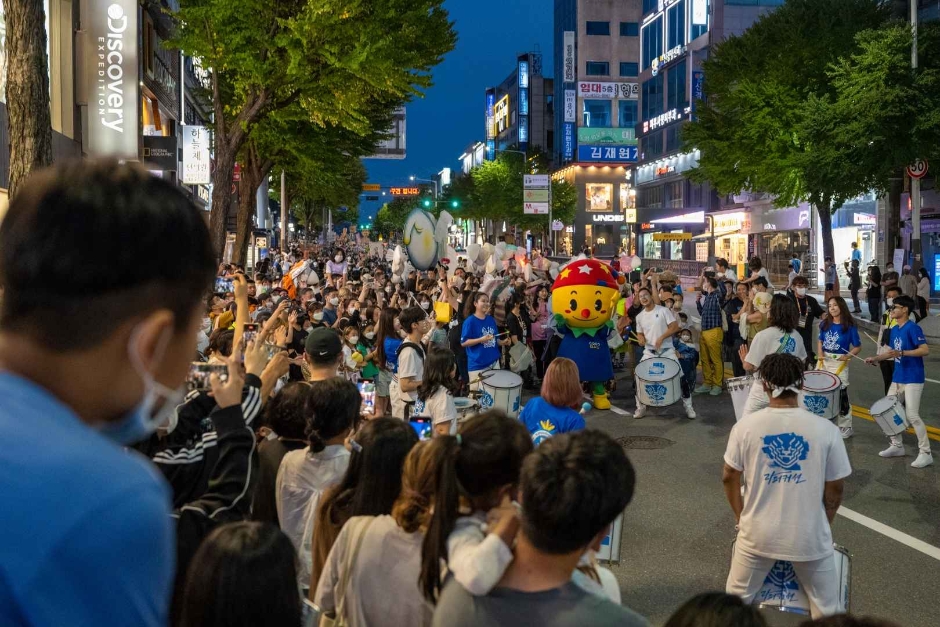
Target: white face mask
(334,301)
(318,316)
(425,305)
(370,335)
(801,291)
(338,258)
(353,339)
(890,302)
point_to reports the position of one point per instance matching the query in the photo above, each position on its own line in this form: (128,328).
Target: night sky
(490,33)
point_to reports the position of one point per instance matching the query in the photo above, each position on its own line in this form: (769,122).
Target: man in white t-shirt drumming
(655,326)
(794,466)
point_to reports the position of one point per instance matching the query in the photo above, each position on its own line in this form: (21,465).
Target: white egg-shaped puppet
(419,239)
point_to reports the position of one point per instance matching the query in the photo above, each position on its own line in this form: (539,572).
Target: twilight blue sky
(490,33)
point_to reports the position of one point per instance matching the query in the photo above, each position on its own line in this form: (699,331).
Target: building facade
(520,111)
(597,47)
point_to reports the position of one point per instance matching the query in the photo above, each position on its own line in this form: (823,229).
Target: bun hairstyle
(475,465)
(332,408)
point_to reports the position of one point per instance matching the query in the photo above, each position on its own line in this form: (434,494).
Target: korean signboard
(112,79)
(501,114)
(607,154)
(568,64)
(622,136)
(405,191)
(536,194)
(568,141)
(571,106)
(196,161)
(625,91)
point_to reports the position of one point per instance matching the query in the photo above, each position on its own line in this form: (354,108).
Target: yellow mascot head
(585,293)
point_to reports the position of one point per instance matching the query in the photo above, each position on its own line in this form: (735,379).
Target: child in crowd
(366,348)
(436,392)
(556,410)
(352,358)
(688,353)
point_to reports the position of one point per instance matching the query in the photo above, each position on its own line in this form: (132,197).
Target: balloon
(490,265)
(473,251)
(527,272)
(636,262)
(396,279)
(452,266)
(553,272)
(488,250)
(520,255)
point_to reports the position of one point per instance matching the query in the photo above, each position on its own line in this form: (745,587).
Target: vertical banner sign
(568,142)
(698,87)
(196,156)
(699,12)
(568,63)
(112,79)
(490,125)
(523,73)
(571,106)
(535,194)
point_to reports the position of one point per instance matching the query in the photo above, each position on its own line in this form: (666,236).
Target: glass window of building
(651,146)
(675,25)
(674,194)
(597,68)
(627,113)
(673,138)
(629,29)
(598,28)
(650,5)
(677,78)
(651,197)
(629,70)
(652,93)
(652,41)
(597,113)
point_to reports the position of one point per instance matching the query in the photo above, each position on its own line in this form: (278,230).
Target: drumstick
(871,338)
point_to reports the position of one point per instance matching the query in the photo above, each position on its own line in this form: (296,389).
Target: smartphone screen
(423,428)
(367,392)
(199,374)
(249,333)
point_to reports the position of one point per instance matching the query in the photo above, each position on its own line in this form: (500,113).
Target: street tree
(391,218)
(27,89)
(755,128)
(333,57)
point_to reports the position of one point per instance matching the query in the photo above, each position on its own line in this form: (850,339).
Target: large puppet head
(585,293)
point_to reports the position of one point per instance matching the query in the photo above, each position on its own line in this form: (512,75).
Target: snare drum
(466,407)
(658,382)
(501,389)
(820,393)
(890,415)
(739,387)
(782,590)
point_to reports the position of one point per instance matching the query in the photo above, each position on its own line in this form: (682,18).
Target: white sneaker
(847,432)
(923,460)
(689,411)
(640,411)
(893,451)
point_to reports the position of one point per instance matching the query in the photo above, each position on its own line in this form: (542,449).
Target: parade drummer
(838,341)
(908,349)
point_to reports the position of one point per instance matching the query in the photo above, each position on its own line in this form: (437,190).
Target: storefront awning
(718,234)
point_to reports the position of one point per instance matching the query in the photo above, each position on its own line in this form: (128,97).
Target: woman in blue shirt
(555,411)
(838,341)
(908,349)
(478,337)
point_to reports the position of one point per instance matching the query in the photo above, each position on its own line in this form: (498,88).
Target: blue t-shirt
(907,338)
(479,356)
(391,354)
(838,339)
(544,420)
(329,317)
(87,534)
(857,255)
(797,265)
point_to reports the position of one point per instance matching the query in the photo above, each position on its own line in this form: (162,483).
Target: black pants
(874,309)
(887,372)
(855,300)
(737,366)
(538,349)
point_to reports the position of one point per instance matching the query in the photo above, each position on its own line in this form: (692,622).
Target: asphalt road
(678,530)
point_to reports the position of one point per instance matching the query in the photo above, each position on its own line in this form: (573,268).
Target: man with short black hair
(331,300)
(127,260)
(572,488)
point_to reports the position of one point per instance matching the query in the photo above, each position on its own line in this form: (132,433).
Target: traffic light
(427,203)
(455,204)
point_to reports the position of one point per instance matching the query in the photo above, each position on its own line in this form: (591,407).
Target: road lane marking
(613,408)
(898,536)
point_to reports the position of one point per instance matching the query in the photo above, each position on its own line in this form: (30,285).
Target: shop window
(673,138)
(675,98)
(597,68)
(674,194)
(626,113)
(651,146)
(651,197)
(675,25)
(629,29)
(597,113)
(598,28)
(629,70)
(696,194)
(652,41)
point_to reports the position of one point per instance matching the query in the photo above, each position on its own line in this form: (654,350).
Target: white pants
(819,579)
(475,375)
(756,399)
(911,393)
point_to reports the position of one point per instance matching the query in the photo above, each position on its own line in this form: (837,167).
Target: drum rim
(488,381)
(836,381)
(894,403)
(678,372)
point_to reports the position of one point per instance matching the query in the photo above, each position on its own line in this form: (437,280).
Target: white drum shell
(783,592)
(890,415)
(658,382)
(739,388)
(820,394)
(501,389)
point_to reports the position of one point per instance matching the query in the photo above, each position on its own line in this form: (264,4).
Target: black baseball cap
(323,344)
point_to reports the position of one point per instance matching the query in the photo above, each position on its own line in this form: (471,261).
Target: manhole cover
(644,442)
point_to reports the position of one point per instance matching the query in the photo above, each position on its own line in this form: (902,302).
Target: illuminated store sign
(501,114)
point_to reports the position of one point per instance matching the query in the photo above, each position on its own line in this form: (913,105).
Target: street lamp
(414,178)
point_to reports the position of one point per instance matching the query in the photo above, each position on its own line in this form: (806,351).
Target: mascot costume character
(584,296)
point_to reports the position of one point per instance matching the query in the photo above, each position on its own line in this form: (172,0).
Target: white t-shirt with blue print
(787,455)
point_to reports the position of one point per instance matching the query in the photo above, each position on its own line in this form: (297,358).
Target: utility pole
(283,211)
(915,182)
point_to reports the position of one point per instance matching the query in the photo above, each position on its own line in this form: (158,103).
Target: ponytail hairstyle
(476,465)
(386,328)
(332,408)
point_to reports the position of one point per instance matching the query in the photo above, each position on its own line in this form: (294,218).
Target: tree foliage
(336,59)
(760,127)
